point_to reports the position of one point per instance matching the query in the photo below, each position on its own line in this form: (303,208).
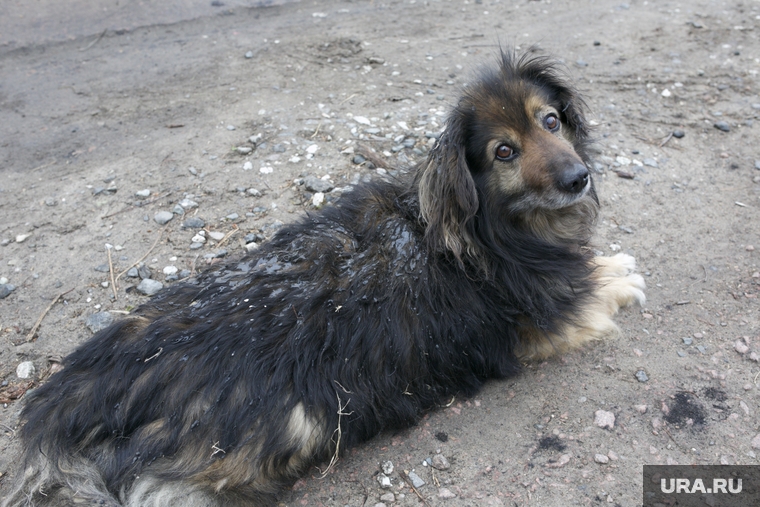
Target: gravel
(722,125)
(6,289)
(601,458)
(440,462)
(99,321)
(604,419)
(417,481)
(314,184)
(163,217)
(193,223)
(25,370)
(188,203)
(149,287)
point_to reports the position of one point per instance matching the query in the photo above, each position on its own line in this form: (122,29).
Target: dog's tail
(42,483)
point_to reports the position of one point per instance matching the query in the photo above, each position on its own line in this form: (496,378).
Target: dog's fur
(355,320)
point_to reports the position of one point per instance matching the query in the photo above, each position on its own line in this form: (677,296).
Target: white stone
(170,270)
(216,235)
(22,237)
(198,238)
(318,199)
(601,458)
(188,204)
(604,419)
(384,481)
(25,370)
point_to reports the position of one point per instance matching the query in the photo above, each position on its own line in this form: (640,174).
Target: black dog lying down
(357,319)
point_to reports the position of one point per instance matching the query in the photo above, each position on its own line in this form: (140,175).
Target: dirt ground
(90,118)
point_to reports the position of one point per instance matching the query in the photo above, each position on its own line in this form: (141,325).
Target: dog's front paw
(618,265)
(631,290)
(619,284)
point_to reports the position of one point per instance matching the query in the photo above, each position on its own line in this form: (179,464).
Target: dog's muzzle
(574,179)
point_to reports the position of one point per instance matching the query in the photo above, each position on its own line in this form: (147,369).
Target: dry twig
(408,481)
(138,261)
(36,325)
(110,272)
(339,432)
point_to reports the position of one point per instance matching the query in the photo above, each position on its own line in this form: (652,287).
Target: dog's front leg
(617,285)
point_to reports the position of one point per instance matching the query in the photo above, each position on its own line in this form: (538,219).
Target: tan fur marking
(618,286)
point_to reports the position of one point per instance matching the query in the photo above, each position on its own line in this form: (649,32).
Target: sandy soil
(88,121)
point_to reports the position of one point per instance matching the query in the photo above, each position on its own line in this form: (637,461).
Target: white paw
(634,292)
(618,265)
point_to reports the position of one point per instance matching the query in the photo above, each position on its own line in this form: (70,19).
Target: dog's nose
(574,179)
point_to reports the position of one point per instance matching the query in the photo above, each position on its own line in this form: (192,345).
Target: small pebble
(163,217)
(384,481)
(318,199)
(314,184)
(25,370)
(755,441)
(20,238)
(688,341)
(188,203)
(149,287)
(388,497)
(232,216)
(244,150)
(216,235)
(678,133)
(440,462)
(722,125)
(387,467)
(132,272)
(417,481)
(741,347)
(171,270)
(249,54)
(757,164)
(143,272)
(143,193)
(601,458)
(253,192)
(99,321)
(198,239)
(193,223)
(6,289)
(604,419)
(641,376)
(247,166)
(193,171)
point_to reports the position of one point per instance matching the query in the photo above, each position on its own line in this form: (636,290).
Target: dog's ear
(447,193)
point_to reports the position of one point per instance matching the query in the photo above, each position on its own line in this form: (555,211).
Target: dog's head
(514,150)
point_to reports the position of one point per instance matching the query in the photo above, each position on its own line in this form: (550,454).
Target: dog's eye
(551,123)
(505,152)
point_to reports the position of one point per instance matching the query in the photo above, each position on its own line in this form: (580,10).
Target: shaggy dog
(355,320)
